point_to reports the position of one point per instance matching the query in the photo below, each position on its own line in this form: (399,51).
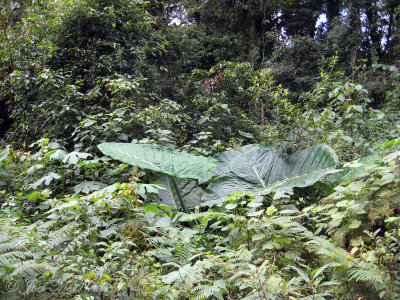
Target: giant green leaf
(255,168)
(189,190)
(161,159)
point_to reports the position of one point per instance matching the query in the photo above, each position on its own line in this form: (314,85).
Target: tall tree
(332,10)
(373,10)
(300,17)
(393,38)
(248,18)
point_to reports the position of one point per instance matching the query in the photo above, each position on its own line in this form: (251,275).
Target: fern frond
(12,246)
(9,258)
(75,243)
(61,235)
(252,296)
(239,274)
(8,227)
(322,246)
(241,285)
(200,283)
(5,237)
(240,265)
(185,254)
(43,228)
(156,241)
(204,292)
(366,275)
(30,269)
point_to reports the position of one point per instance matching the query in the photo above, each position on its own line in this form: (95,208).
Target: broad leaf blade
(223,159)
(224,186)
(308,166)
(160,159)
(312,158)
(260,168)
(88,186)
(74,157)
(190,191)
(47,179)
(258,165)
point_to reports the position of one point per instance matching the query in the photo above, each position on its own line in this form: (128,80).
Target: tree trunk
(332,11)
(355,22)
(249,27)
(375,38)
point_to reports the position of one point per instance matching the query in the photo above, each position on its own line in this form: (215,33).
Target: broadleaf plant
(162,159)
(191,192)
(256,168)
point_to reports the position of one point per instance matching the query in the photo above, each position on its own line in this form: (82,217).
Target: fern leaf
(200,284)
(61,235)
(252,296)
(241,285)
(370,275)
(205,291)
(239,274)
(185,255)
(43,228)
(75,243)
(11,257)
(11,246)
(5,237)
(29,269)
(240,265)
(156,241)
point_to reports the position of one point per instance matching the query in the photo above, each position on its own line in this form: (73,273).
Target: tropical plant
(260,169)
(164,160)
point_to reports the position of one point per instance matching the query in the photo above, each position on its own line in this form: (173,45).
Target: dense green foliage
(250,152)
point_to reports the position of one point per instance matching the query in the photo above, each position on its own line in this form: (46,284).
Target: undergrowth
(111,243)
